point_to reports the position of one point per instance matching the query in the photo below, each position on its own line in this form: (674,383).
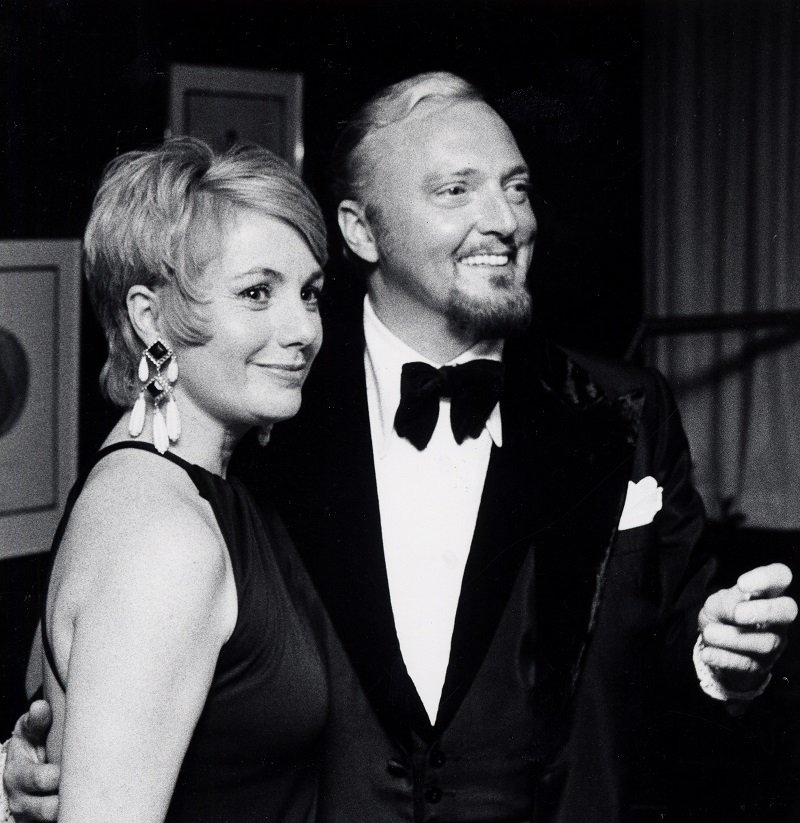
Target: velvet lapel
(557,485)
(339,521)
(587,442)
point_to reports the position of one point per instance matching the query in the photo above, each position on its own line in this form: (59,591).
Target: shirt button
(396,768)
(433,794)
(438,759)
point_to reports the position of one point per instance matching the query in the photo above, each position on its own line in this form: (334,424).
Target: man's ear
(143,312)
(356,231)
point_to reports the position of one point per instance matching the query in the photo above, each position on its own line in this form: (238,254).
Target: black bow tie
(473,388)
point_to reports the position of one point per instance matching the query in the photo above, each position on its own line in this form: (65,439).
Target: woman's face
(263,317)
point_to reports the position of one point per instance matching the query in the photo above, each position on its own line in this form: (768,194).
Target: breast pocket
(634,540)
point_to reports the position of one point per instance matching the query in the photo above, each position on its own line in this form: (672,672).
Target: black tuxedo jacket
(564,627)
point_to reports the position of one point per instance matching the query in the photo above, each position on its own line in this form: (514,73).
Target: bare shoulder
(139,486)
(138,500)
(140,530)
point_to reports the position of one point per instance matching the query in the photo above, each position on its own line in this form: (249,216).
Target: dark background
(85,80)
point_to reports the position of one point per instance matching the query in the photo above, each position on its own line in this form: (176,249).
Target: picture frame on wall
(226,105)
(39,368)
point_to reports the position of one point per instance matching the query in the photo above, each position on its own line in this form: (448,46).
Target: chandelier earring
(158,372)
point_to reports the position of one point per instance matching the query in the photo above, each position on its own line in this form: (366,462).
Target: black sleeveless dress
(256,751)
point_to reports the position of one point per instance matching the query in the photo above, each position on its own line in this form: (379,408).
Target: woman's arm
(146,634)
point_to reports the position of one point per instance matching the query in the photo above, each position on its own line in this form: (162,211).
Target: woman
(185,684)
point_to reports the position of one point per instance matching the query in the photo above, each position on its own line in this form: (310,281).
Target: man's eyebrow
(437,176)
(516,171)
(468,171)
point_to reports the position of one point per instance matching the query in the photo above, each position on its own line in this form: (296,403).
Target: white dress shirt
(429,504)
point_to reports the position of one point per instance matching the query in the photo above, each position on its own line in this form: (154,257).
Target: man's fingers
(734,639)
(765,581)
(761,614)
(25,775)
(720,607)
(44,778)
(731,661)
(35,809)
(743,629)
(35,724)
(754,600)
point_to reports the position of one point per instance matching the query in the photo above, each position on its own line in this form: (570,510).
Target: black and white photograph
(39,353)
(398,411)
(224,106)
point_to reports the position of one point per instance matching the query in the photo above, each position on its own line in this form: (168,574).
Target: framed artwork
(224,106)
(39,336)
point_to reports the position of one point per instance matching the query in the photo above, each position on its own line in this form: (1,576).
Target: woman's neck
(202,442)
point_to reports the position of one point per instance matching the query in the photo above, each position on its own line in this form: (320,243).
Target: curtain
(721,112)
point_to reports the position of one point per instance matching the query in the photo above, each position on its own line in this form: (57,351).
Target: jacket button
(433,794)
(396,768)
(438,759)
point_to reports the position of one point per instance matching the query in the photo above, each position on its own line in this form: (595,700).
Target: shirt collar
(384,357)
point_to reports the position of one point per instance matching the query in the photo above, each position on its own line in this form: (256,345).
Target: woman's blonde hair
(157,221)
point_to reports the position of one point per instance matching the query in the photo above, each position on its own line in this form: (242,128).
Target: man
(505,550)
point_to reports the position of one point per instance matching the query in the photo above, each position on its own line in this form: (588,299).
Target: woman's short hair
(156,222)
(352,161)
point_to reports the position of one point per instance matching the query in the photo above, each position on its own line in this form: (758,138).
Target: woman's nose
(300,326)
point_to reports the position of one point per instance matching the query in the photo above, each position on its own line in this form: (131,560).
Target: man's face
(452,220)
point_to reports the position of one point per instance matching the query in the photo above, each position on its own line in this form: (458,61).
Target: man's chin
(492,317)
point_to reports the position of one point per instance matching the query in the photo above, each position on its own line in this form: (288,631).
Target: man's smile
(485,260)
(488,255)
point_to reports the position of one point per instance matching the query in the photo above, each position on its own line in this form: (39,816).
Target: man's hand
(30,782)
(743,629)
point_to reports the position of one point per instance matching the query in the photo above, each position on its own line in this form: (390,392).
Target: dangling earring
(264,434)
(160,389)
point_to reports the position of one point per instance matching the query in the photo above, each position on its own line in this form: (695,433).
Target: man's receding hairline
(429,106)
(433,105)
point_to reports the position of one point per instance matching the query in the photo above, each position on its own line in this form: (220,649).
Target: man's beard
(506,311)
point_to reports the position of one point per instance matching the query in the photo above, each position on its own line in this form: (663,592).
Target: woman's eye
(258,294)
(311,295)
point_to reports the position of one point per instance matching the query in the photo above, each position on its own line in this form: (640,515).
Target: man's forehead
(435,115)
(467,133)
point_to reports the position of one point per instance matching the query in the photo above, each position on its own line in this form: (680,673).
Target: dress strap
(147,447)
(74,493)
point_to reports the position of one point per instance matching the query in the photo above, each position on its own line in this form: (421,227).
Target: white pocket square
(642,503)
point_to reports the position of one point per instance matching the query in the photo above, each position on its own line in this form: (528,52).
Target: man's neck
(429,334)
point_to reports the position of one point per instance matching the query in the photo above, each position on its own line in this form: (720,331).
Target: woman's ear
(143,312)
(357,231)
